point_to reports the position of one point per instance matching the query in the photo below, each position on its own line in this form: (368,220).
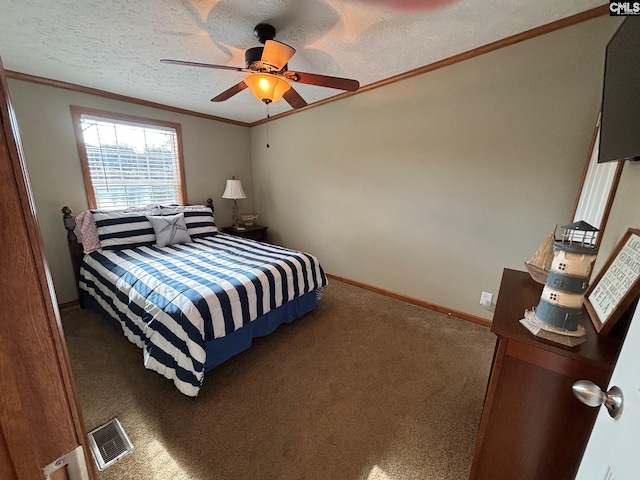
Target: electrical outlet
(485,299)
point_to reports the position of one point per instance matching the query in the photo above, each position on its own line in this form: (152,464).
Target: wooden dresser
(532,426)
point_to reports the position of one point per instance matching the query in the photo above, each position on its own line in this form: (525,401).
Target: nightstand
(253,232)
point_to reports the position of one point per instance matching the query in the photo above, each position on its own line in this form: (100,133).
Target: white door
(613,451)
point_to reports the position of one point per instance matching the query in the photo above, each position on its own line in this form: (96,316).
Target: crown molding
(114,96)
(490,47)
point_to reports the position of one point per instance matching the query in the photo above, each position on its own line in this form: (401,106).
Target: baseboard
(415,301)
(388,293)
(70,303)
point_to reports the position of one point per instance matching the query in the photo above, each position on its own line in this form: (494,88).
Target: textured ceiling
(116,45)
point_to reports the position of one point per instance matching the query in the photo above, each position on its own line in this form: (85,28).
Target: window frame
(76,114)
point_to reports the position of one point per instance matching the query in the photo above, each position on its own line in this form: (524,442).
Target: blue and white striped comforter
(171,300)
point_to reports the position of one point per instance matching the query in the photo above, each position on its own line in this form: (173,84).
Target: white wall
(213,152)
(430,186)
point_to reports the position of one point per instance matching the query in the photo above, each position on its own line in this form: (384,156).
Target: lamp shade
(265,87)
(233,190)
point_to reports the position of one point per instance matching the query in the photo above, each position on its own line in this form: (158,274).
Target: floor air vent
(109,443)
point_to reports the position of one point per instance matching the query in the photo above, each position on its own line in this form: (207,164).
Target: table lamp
(234,191)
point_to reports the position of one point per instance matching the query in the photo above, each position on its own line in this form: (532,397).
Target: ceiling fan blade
(230,92)
(324,81)
(294,99)
(205,65)
(277,54)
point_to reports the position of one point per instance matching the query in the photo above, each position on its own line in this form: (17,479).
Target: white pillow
(169,229)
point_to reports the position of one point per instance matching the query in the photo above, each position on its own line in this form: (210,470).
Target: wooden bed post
(210,204)
(75,247)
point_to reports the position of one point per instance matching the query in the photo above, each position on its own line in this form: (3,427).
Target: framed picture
(597,188)
(617,285)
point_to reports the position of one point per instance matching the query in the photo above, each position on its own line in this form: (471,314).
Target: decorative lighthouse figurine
(557,316)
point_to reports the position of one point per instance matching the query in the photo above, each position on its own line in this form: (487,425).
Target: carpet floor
(364,388)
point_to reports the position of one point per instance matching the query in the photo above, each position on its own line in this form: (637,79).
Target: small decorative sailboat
(540,262)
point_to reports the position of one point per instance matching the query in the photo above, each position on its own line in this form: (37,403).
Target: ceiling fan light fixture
(269,75)
(265,87)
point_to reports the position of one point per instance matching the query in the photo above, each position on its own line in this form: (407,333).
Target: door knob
(590,394)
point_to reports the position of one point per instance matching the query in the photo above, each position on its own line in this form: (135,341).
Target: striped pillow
(198,218)
(120,230)
(87,225)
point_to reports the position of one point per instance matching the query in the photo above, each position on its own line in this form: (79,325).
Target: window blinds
(131,164)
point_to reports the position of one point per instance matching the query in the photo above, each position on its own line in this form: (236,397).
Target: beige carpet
(365,387)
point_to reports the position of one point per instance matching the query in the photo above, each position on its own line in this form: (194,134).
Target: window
(129,161)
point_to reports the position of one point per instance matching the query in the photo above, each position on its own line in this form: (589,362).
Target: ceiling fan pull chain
(268,125)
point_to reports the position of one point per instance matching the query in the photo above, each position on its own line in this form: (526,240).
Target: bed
(191,298)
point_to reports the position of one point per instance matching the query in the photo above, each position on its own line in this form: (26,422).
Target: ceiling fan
(269,78)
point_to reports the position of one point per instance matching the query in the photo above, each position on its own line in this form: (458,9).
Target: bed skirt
(222,349)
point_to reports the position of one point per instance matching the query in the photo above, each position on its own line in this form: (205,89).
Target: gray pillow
(169,229)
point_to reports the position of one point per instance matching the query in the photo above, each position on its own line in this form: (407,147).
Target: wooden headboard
(75,247)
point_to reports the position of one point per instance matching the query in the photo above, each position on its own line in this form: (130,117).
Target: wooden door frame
(37,412)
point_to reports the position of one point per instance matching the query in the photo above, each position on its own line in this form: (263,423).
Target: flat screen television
(620,121)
